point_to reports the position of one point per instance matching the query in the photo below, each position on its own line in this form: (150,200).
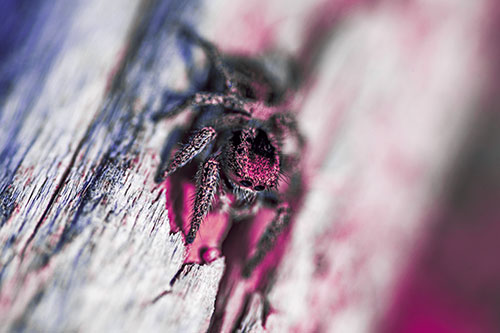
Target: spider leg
(268,239)
(196,144)
(215,57)
(228,122)
(206,187)
(230,102)
(173,138)
(284,124)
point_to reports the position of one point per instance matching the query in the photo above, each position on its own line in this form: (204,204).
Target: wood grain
(86,241)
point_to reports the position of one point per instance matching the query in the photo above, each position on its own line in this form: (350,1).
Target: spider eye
(259,188)
(246,183)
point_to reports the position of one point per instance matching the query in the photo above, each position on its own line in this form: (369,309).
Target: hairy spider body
(240,131)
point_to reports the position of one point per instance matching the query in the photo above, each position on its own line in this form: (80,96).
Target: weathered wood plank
(400,111)
(86,241)
(384,121)
(84,194)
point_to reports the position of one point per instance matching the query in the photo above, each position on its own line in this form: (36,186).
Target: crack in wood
(160,295)
(58,189)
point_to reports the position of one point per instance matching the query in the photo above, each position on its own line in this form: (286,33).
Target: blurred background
(399,223)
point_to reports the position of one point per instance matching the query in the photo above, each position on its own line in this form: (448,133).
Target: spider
(248,142)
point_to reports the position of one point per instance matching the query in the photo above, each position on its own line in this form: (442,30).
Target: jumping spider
(240,130)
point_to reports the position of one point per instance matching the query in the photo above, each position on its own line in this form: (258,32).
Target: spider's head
(253,160)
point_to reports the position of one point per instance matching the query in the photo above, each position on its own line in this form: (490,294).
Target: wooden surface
(86,242)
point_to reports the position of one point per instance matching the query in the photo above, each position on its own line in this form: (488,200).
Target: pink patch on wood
(251,32)
(452,285)
(207,242)
(179,204)
(166,187)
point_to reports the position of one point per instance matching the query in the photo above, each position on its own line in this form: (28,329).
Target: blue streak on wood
(17,20)
(117,121)
(27,59)
(113,134)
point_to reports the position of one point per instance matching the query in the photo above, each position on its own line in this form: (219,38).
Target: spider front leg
(206,187)
(196,144)
(268,239)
